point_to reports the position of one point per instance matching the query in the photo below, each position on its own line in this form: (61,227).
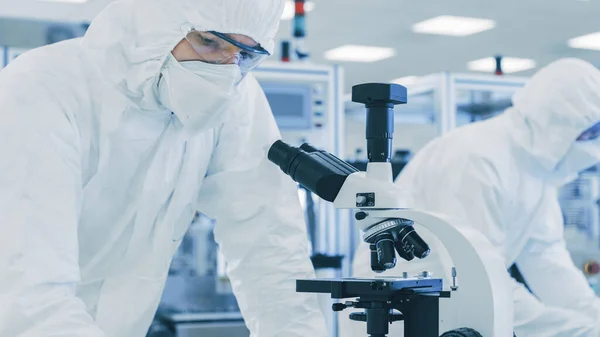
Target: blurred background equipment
(33,33)
(300,49)
(198,300)
(307,102)
(579,201)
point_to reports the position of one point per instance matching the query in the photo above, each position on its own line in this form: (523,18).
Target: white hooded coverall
(496,176)
(98,183)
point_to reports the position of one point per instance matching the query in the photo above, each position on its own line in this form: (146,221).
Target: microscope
(385,215)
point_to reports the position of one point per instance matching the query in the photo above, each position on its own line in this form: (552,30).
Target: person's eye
(245,55)
(208,41)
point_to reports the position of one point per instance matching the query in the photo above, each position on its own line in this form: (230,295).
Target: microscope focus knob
(358,316)
(362,317)
(338,306)
(462,332)
(342,306)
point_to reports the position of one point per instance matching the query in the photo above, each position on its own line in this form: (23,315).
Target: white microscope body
(483,301)
(385,214)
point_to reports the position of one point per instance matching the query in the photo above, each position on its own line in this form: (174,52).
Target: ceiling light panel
(589,41)
(357,53)
(509,65)
(453,25)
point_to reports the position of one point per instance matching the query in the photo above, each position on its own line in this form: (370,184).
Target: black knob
(385,251)
(462,332)
(338,306)
(358,316)
(360,215)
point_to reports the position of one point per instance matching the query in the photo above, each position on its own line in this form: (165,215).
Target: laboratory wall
(21,33)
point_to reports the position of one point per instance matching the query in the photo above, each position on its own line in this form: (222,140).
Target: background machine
(198,301)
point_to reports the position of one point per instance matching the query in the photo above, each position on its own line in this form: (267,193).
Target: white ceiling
(536,29)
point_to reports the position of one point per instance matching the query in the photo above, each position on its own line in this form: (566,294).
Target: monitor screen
(291,104)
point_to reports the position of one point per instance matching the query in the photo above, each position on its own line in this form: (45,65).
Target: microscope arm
(484,281)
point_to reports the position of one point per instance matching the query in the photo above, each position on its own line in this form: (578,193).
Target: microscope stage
(356,287)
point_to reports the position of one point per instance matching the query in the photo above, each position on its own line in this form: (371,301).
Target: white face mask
(581,156)
(198,93)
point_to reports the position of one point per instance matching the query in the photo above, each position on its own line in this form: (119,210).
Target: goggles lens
(217,48)
(591,133)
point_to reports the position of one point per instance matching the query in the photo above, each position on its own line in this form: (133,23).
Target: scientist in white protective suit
(111,143)
(500,177)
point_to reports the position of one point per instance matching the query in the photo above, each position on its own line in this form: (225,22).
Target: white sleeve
(534,318)
(260,225)
(550,273)
(477,197)
(40,196)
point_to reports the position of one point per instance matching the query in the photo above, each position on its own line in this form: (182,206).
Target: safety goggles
(591,133)
(218,48)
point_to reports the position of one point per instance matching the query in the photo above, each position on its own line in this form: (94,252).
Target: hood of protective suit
(559,102)
(130,40)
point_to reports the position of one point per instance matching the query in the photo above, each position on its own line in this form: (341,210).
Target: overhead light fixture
(406,80)
(357,53)
(290,9)
(509,65)
(453,25)
(589,41)
(67,1)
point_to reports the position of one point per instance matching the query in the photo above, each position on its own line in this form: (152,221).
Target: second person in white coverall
(112,142)
(500,177)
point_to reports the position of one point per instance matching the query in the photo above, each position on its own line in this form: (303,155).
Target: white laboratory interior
(374,102)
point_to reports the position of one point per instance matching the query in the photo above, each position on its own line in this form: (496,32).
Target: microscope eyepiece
(318,171)
(282,155)
(379,100)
